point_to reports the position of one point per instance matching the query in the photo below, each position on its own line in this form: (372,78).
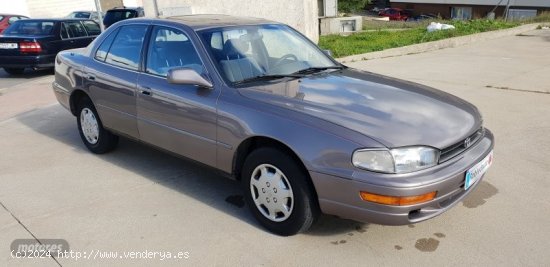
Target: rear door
(112,76)
(74,35)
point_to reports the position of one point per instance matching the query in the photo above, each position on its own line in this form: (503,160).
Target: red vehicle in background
(394,13)
(6,20)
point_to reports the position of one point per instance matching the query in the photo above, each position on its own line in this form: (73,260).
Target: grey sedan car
(258,101)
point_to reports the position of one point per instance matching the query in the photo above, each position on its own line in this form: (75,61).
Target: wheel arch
(75,98)
(254,142)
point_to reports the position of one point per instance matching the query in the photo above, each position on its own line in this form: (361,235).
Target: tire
(301,206)
(96,138)
(15,71)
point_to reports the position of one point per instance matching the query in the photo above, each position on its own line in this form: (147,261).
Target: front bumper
(340,196)
(34,61)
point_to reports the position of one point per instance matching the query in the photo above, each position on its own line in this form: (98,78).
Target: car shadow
(28,74)
(180,174)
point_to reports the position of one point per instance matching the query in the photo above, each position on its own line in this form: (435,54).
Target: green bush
(347,6)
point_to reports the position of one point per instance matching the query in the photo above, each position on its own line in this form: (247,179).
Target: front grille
(459,147)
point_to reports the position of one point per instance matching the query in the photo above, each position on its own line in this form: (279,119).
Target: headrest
(235,48)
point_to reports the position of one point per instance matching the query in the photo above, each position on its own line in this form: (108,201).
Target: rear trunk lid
(12,45)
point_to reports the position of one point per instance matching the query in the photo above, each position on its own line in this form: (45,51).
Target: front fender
(321,146)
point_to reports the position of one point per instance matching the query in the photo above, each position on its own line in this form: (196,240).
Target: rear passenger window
(170,48)
(64,34)
(74,29)
(101,53)
(91,27)
(125,51)
(13,19)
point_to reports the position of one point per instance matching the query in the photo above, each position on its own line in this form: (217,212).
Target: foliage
(347,6)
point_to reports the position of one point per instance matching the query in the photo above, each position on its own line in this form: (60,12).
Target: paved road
(7,80)
(138,199)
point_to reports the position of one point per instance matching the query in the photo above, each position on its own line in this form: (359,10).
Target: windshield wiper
(268,77)
(317,69)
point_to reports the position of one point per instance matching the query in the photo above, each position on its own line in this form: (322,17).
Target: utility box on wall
(338,25)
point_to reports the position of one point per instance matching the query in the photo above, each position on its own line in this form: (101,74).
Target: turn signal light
(397,201)
(30,47)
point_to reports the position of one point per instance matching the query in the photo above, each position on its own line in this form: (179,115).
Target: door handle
(90,77)
(144,90)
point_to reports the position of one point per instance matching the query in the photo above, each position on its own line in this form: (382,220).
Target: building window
(461,13)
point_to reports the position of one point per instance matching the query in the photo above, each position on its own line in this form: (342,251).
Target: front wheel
(278,192)
(96,138)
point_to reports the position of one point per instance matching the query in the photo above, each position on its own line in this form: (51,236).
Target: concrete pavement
(139,199)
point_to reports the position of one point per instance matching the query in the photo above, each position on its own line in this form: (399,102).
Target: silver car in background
(258,101)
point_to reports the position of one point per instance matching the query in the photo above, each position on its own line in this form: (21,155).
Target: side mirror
(328,52)
(187,76)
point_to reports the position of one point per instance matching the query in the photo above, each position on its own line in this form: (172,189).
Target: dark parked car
(261,103)
(6,20)
(85,15)
(34,43)
(423,17)
(121,13)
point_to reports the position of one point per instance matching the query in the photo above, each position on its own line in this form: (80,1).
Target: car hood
(394,112)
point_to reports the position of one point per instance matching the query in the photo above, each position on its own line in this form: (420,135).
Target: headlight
(398,160)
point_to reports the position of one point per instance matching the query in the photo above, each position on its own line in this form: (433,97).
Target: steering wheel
(283,58)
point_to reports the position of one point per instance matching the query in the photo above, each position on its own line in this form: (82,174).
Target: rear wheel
(14,71)
(278,193)
(96,138)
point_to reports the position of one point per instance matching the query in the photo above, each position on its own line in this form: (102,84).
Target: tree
(347,6)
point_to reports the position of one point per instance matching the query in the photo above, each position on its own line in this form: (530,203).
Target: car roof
(57,19)
(125,8)
(205,21)
(13,15)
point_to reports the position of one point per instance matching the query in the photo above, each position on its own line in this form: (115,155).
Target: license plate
(474,173)
(8,45)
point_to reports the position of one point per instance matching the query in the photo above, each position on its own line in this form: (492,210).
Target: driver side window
(171,48)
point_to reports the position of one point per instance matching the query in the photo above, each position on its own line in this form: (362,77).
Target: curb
(440,44)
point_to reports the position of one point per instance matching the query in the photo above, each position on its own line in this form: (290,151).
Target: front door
(178,118)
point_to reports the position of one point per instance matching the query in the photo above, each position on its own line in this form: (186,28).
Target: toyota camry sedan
(262,104)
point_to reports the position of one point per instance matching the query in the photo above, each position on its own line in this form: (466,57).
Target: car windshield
(244,53)
(30,27)
(79,15)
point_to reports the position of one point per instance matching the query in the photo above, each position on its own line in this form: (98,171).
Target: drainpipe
(99,15)
(506,11)
(156,7)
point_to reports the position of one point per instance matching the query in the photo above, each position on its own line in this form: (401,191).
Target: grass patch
(392,24)
(372,41)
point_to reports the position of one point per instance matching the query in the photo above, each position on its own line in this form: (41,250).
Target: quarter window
(101,53)
(64,34)
(125,51)
(74,29)
(170,48)
(91,27)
